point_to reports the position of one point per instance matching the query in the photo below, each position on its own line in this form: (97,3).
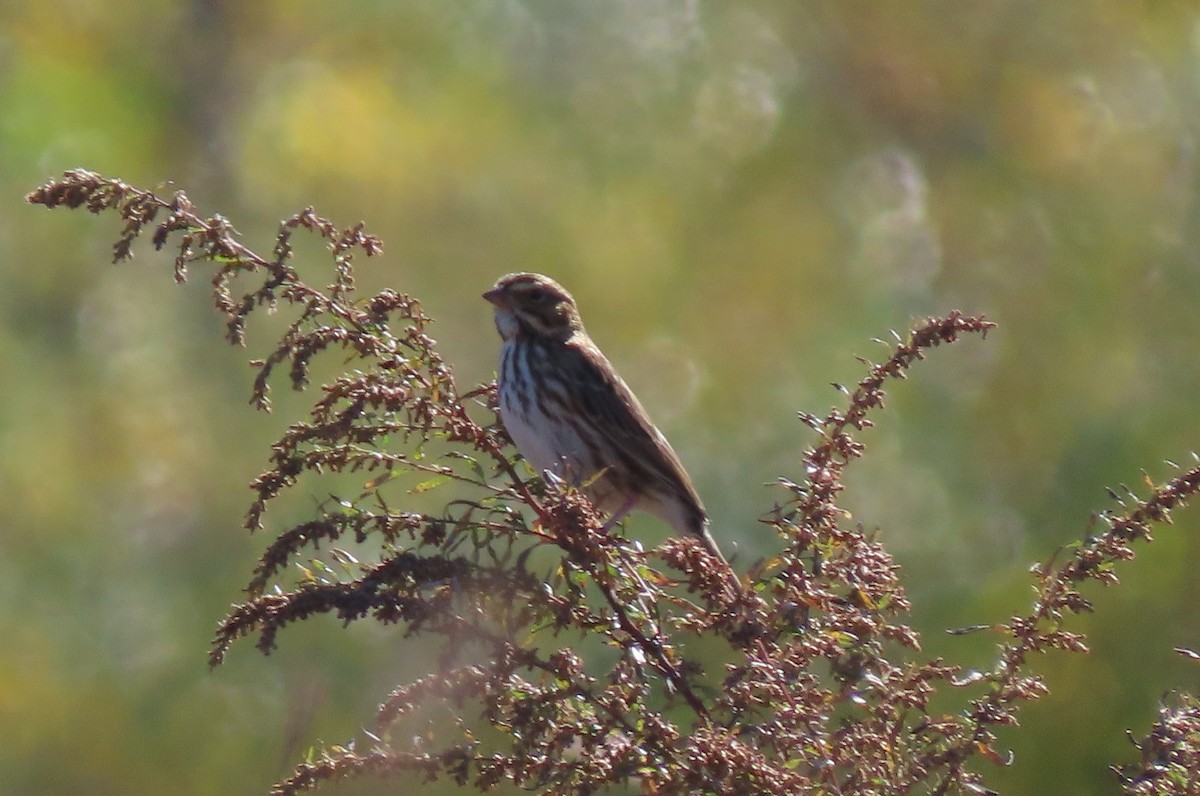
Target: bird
(570,414)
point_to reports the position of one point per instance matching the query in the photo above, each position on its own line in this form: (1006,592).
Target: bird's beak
(496,296)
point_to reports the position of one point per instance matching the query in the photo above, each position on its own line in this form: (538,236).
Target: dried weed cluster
(561,659)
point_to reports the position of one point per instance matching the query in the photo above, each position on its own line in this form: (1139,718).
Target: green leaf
(432,483)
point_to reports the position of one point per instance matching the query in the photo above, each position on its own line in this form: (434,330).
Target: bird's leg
(621,511)
(643,588)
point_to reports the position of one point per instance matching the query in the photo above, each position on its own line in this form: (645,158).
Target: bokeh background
(740,194)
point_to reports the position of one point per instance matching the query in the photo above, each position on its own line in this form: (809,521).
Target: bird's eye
(536,294)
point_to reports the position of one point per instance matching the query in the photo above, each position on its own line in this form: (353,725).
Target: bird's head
(532,304)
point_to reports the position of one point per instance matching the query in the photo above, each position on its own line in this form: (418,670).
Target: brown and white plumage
(569,412)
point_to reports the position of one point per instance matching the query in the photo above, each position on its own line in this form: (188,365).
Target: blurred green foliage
(740,195)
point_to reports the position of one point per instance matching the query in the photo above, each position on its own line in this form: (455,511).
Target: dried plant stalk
(823,689)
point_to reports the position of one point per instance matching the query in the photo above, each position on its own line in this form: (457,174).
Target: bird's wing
(642,449)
